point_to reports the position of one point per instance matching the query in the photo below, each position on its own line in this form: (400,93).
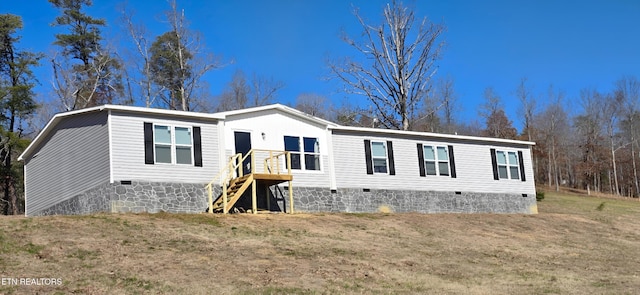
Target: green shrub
(539,196)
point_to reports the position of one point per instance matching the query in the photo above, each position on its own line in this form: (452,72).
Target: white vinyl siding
(129,156)
(474,172)
(72,158)
(268,129)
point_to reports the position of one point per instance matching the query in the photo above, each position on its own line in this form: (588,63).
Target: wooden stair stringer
(234,193)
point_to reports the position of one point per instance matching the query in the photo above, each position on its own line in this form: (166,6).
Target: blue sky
(570,44)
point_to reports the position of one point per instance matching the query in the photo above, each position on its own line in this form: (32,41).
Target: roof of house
(278,107)
(140,110)
(430,134)
(335,126)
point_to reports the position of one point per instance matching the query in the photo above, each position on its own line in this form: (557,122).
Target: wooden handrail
(235,166)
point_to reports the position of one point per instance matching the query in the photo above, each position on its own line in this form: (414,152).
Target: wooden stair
(268,172)
(236,188)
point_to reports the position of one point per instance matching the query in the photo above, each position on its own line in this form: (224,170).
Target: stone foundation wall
(138,196)
(152,197)
(97,199)
(310,199)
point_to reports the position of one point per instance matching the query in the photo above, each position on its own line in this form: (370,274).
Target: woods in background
(588,142)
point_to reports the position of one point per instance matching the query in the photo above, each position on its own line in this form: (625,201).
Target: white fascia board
(165,112)
(432,135)
(283,108)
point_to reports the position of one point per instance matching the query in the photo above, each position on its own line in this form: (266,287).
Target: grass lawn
(575,245)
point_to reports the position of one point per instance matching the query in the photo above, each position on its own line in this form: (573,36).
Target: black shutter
(452,162)
(148,143)
(522,177)
(421,160)
(392,166)
(494,163)
(197,147)
(367,155)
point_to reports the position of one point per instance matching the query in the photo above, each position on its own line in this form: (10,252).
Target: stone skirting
(310,199)
(136,196)
(152,197)
(94,200)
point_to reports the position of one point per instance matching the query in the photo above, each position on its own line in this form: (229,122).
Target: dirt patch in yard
(570,247)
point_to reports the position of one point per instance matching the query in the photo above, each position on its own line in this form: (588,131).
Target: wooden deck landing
(272,179)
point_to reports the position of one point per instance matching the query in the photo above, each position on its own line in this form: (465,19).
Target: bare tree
(178,61)
(263,90)
(612,104)
(313,104)
(496,120)
(96,83)
(492,103)
(142,77)
(242,93)
(85,73)
(589,129)
(629,89)
(527,106)
(554,127)
(445,90)
(429,118)
(399,64)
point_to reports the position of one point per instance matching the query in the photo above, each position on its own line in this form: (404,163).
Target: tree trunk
(555,164)
(8,179)
(549,169)
(635,170)
(615,171)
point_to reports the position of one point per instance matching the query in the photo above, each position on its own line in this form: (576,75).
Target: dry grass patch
(576,245)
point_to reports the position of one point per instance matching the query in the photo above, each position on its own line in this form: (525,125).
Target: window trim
(302,153)
(190,145)
(315,154)
(386,157)
(173,145)
(515,165)
(422,161)
(436,160)
(518,165)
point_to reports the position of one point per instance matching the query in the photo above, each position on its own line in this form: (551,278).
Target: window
(379,156)
(436,160)
(183,145)
(311,153)
(170,145)
(162,143)
(292,145)
(309,157)
(508,165)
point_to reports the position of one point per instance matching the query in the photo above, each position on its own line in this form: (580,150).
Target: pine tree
(16,103)
(85,74)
